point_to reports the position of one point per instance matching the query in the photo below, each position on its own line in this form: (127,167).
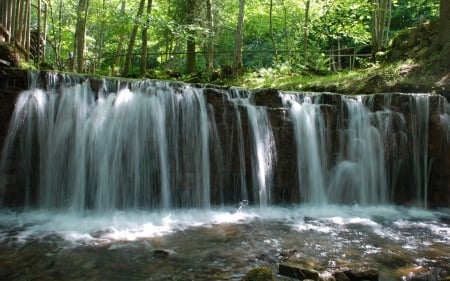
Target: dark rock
(340,276)
(298,271)
(369,275)
(268,97)
(259,274)
(160,254)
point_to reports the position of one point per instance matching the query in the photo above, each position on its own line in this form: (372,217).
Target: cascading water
(419,121)
(131,149)
(148,145)
(262,147)
(310,137)
(359,175)
(136,181)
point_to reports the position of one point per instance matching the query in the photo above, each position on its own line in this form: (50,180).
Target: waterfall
(310,134)
(262,148)
(262,151)
(160,145)
(135,148)
(419,108)
(359,175)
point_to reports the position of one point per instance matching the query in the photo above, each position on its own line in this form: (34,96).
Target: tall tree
(190,12)
(444,22)
(380,23)
(133,38)
(306,32)
(272,37)
(80,35)
(210,40)
(238,65)
(119,49)
(143,64)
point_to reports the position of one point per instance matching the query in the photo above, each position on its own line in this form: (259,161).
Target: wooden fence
(20,22)
(338,59)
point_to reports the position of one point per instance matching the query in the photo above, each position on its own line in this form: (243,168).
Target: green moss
(259,274)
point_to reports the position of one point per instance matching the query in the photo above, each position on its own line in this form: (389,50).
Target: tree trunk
(444,23)
(306,33)
(56,42)
(287,43)
(115,66)
(210,42)
(190,43)
(238,65)
(190,55)
(132,40)
(145,40)
(275,53)
(101,38)
(80,35)
(380,24)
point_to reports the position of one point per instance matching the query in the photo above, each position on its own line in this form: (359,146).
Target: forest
(209,39)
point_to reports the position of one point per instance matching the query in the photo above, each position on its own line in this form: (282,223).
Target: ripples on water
(220,244)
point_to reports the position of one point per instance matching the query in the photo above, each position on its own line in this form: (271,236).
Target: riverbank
(413,63)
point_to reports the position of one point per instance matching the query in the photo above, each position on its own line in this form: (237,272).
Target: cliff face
(414,131)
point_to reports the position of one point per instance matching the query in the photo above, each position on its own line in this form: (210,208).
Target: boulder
(298,270)
(259,274)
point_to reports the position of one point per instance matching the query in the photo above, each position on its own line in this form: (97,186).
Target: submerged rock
(298,270)
(368,275)
(160,254)
(259,274)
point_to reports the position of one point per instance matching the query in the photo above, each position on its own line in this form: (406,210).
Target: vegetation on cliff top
(342,46)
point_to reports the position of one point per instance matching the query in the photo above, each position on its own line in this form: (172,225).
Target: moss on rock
(259,274)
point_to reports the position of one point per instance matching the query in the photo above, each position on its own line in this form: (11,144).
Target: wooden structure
(20,20)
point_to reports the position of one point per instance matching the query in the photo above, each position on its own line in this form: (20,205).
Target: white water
(262,148)
(420,111)
(94,227)
(91,150)
(148,146)
(358,174)
(310,139)
(135,165)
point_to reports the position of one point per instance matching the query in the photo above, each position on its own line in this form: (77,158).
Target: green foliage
(332,24)
(409,13)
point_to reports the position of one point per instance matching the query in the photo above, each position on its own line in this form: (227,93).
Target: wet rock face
(397,146)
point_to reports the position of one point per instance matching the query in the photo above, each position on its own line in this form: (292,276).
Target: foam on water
(134,225)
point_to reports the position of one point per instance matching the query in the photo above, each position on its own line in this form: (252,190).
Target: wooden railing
(15,26)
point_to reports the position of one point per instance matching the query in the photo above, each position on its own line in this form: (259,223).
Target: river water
(138,182)
(223,243)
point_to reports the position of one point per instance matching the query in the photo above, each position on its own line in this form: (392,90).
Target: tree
(190,42)
(143,64)
(238,65)
(133,39)
(444,23)
(118,54)
(210,40)
(306,32)
(380,24)
(272,38)
(80,35)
